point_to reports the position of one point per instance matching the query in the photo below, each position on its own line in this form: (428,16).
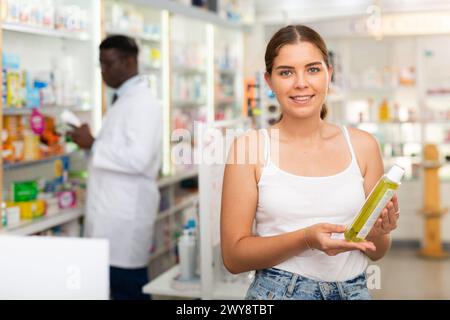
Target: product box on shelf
(29,209)
(24,191)
(12,216)
(67,199)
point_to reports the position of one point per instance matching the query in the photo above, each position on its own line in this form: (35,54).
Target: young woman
(310,179)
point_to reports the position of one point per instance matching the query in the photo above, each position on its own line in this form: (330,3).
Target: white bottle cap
(395,174)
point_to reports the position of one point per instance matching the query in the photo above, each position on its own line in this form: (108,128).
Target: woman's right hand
(318,237)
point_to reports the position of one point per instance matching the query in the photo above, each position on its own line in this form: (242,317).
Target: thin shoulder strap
(266,146)
(347,138)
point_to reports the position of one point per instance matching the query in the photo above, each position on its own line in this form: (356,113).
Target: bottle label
(375,214)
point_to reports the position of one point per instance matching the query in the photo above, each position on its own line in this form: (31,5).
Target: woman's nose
(300,81)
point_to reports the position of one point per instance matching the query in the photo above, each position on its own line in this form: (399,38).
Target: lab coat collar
(127,85)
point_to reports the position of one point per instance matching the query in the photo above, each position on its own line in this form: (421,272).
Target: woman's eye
(313,70)
(285,73)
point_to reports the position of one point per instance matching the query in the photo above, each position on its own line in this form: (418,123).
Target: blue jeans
(276,284)
(126,284)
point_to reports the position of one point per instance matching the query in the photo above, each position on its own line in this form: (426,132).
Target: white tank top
(288,202)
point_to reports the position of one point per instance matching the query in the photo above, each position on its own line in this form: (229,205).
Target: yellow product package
(29,209)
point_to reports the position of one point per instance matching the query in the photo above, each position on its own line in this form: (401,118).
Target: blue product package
(11,61)
(40,84)
(33,98)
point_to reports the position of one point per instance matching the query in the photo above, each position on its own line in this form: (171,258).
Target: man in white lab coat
(123,197)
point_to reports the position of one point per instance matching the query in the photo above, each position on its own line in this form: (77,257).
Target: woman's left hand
(387,220)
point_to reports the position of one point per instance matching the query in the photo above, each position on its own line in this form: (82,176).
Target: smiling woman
(313,179)
(295,71)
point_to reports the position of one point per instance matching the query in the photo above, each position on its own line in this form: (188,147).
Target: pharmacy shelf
(150,68)
(229,123)
(189,70)
(168,180)
(162,251)
(226,100)
(136,35)
(23,164)
(26,228)
(188,104)
(161,286)
(43,110)
(222,290)
(227,72)
(17,27)
(335,97)
(186,201)
(381,89)
(189,12)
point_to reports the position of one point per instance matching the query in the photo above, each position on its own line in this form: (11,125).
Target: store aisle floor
(404,275)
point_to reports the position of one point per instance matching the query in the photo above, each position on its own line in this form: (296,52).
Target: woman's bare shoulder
(362,139)
(248,146)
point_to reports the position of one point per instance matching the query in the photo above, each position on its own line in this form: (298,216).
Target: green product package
(24,191)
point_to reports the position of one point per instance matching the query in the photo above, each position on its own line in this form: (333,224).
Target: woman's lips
(302,99)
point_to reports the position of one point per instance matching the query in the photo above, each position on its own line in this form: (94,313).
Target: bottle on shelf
(187,251)
(384,112)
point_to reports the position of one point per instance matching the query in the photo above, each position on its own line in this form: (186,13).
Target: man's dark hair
(124,44)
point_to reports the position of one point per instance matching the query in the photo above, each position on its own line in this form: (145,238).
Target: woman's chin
(303,113)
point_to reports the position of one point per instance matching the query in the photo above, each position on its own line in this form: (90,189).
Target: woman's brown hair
(291,35)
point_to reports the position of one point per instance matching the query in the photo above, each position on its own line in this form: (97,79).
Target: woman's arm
(373,170)
(241,249)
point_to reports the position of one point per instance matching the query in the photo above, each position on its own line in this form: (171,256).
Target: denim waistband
(290,275)
(275,283)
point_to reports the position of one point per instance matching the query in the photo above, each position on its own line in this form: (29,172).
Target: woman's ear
(268,79)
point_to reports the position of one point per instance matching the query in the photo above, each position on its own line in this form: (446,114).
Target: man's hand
(82,136)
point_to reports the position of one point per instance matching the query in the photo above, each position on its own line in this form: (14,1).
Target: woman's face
(300,79)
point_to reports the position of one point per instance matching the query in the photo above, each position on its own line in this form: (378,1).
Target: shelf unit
(402,70)
(186,71)
(177,205)
(138,36)
(223,291)
(21,28)
(215,281)
(171,18)
(23,164)
(228,67)
(30,227)
(56,50)
(145,25)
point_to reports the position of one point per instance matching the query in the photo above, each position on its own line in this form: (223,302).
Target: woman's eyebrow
(307,65)
(313,63)
(284,67)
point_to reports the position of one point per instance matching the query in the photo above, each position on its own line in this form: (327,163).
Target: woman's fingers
(393,217)
(334,228)
(395,202)
(385,219)
(368,245)
(346,245)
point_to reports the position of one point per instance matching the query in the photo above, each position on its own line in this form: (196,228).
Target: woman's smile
(302,100)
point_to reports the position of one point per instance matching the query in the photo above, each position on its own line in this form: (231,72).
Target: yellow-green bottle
(380,195)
